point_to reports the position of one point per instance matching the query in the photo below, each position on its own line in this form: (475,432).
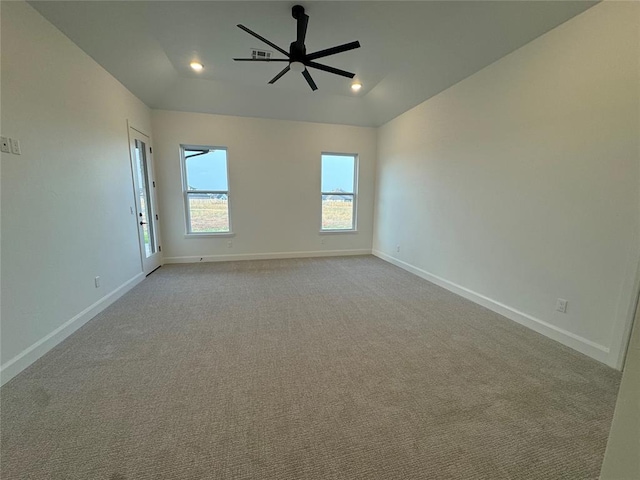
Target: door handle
(143,223)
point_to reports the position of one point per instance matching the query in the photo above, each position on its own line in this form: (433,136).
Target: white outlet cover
(561,305)
(15,146)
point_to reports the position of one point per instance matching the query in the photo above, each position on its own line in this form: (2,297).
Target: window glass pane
(209,212)
(337,212)
(338,173)
(206,171)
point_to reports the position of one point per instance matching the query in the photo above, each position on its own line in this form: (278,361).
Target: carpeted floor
(330,368)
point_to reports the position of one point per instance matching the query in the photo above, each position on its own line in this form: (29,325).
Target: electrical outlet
(15,146)
(398,248)
(4,143)
(97,282)
(322,242)
(561,305)
(229,244)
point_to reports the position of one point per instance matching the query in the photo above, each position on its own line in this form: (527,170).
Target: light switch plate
(5,145)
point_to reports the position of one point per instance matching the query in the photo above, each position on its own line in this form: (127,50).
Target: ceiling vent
(260,54)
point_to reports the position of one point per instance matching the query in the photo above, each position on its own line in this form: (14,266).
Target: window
(338,190)
(206,189)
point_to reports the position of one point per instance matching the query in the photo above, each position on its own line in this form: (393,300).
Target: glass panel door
(145,216)
(146,213)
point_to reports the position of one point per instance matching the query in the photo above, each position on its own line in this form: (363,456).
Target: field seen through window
(211,215)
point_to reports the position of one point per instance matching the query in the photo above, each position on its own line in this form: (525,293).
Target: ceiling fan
(297,56)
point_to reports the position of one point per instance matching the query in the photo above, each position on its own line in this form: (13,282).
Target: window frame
(186,191)
(354,214)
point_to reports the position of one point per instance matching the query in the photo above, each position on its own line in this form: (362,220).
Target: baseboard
(582,345)
(25,358)
(265,256)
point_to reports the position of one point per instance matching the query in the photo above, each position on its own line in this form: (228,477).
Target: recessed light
(197,66)
(356,86)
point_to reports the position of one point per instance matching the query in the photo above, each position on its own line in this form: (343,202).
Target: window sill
(209,235)
(333,232)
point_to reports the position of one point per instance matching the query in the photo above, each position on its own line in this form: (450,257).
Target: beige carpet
(335,368)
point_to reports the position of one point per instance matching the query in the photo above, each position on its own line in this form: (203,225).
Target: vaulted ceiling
(410,51)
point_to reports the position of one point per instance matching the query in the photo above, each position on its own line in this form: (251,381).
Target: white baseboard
(29,355)
(265,256)
(582,345)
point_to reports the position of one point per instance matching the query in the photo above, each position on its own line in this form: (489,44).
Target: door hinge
(150,150)
(154,184)
(159,248)
(156,216)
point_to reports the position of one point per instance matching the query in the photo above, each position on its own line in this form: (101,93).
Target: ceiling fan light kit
(297,58)
(297,67)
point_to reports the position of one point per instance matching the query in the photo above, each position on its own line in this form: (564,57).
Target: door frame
(628,308)
(631,324)
(150,264)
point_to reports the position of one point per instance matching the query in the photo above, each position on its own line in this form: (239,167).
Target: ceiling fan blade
(262,60)
(333,50)
(329,69)
(307,76)
(259,37)
(277,77)
(303,21)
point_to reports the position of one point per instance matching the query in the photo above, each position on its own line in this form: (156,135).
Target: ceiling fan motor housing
(297,52)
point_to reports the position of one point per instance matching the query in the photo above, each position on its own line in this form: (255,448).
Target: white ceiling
(410,51)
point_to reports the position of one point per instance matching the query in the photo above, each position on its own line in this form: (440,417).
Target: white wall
(66,199)
(274,175)
(520,184)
